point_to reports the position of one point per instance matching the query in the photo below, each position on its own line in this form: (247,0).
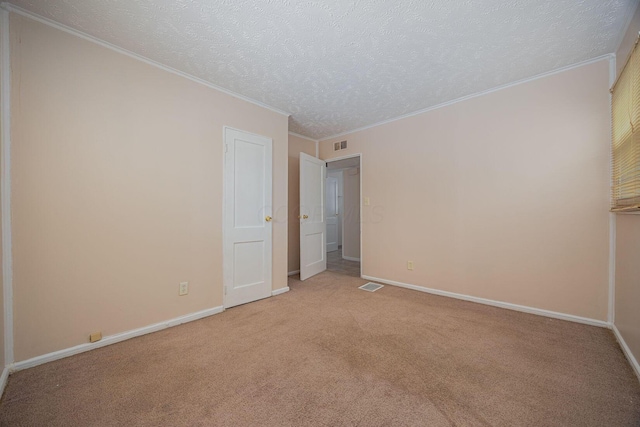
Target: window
(625,114)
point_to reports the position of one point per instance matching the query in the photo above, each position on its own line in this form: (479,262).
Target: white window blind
(625,114)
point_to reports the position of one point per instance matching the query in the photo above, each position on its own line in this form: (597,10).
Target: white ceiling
(339,65)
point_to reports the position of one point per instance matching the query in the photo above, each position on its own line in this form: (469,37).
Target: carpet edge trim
(112,339)
(627,351)
(500,304)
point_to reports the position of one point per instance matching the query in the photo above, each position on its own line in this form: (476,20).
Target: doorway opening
(342,204)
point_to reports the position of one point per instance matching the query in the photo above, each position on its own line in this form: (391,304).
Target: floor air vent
(371,287)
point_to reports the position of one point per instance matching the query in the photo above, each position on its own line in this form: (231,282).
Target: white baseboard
(293,273)
(279,291)
(348,258)
(3,380)
(509,306)
(627,351)
(112,339)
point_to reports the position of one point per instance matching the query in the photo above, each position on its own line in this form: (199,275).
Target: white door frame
(350,156)
(225,201)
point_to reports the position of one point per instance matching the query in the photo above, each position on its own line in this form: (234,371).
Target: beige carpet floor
(328,354)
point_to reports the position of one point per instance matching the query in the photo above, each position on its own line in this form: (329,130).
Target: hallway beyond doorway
(337,264)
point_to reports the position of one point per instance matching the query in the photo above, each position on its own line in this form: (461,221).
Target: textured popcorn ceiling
(338,65)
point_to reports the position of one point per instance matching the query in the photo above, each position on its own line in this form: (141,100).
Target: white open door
(247,217)
(313,232)
(332,207)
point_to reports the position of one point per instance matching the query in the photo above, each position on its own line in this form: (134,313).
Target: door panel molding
(247,210)
(313,232)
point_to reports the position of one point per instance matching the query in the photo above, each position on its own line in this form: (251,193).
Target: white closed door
(313,253)
(332,206)
(247,217)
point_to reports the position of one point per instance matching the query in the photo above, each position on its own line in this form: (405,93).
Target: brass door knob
(268,219)
(305,216)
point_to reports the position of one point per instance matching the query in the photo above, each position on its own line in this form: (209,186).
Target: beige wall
(2,331)
(503,196)
(351,229)
(2,336)
(627,281)
(117,190)
(629,40)
(297,145)
(627,303)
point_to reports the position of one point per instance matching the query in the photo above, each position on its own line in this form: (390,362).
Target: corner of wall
(612,217)
(627,351)
(4,377)
(5,189)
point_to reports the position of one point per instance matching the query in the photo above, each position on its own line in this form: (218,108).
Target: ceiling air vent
(339,145)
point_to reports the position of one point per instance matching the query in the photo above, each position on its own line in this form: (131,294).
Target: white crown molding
(627,351)
(112,339)
(280,291)
(23,12)
(474,95)
(509,306)
(303,137)
(5,187)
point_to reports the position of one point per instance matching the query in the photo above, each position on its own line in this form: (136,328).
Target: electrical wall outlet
(367,201)
(409,265)
(183,289)
(96,336)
